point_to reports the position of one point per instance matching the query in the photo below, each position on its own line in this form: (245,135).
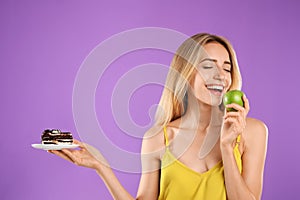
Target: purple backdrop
(43,44)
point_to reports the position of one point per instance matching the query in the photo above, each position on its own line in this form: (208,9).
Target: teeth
(215,87)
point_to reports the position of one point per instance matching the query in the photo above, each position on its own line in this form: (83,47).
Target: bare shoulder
(256,126)
(153,140)
(256,132)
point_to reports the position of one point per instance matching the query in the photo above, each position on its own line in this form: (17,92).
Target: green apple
(233,96)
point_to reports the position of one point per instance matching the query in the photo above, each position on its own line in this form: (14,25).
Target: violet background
(43,43)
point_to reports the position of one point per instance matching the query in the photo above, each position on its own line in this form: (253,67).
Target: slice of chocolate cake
(55,136)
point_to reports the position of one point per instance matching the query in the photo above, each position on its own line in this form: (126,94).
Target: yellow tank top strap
(238,139)
(166,136)
(237,153)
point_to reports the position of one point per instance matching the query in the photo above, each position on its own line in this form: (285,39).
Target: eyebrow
(214,60)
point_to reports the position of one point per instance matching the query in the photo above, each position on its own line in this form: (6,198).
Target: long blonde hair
(173,101)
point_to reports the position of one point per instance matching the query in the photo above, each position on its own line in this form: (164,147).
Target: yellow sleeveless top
(178,182)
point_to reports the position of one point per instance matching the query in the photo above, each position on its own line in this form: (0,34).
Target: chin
(216,101)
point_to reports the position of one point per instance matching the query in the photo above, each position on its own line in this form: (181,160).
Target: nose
(219,74)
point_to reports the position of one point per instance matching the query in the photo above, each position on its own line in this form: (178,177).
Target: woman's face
(213,75)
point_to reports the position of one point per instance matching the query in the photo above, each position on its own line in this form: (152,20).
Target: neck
(201,116)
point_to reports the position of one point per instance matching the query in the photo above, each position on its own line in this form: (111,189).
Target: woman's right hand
(86,155)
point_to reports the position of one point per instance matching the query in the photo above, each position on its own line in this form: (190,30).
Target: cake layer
(55,136)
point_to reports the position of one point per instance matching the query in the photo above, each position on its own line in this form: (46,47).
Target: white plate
(54,146)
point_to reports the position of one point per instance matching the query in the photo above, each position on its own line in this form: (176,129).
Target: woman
(196,149)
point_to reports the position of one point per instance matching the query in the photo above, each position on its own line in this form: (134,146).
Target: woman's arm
(149,182)
(88,156)
(247,185)
(152,148)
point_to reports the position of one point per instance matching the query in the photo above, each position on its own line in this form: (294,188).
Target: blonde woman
(196,149)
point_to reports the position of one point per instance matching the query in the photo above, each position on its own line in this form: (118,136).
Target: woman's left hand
(86,155)
(234,123)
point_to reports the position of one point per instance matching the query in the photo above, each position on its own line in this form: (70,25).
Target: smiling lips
(215,89)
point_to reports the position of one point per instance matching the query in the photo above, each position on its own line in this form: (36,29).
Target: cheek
(206,75)
(199,80)
(196,84)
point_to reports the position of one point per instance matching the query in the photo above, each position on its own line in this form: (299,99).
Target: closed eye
(207,67)
(227,70)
